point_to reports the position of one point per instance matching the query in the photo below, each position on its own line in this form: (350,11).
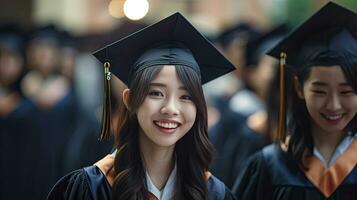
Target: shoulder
(217,190)
(282,170)
(91,182)
(271,152)
(106,166)
(72,186)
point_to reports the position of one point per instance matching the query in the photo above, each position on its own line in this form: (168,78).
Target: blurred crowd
(243,106)
(51,97)
(50,106)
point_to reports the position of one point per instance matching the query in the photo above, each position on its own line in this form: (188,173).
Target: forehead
(167,73)
(328,74)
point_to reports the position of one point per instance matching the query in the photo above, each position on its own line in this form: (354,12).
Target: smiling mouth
(167,125)
(333,117)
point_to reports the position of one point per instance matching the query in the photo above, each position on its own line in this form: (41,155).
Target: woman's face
(167,112)
(330,101)
(10,67)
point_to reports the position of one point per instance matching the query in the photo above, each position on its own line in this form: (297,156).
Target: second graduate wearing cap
(318,160)
(163,150)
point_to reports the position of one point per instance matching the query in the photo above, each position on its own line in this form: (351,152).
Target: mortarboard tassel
(282,100)
(106,114)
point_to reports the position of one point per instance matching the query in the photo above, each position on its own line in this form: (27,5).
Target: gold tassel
(106,114)
(282,100)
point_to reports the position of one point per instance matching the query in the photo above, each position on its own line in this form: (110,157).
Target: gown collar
(327,180)
(168,191)
(341,148)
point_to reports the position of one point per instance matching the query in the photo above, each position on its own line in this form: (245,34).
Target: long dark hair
(299,123)
(193,152)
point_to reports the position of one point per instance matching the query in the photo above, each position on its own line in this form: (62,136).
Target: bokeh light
(116,8)
(136,9)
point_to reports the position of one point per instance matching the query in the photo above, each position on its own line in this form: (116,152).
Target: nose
(170,107)
(333,103)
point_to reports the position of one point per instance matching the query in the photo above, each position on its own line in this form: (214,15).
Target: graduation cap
(241,31)
(49,33)
(327,38)
(12,38)
(68,40)
(171,41)
(260,46)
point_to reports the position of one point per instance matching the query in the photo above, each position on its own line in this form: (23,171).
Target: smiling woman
(163,149)
(317,159)
(168,112)
(330,101)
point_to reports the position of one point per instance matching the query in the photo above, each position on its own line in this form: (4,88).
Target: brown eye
(155,93)
(186,97)
(348,92)
(318,91)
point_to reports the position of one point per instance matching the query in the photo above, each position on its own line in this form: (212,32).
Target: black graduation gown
(83,147)
(270,176)
(90,183)
(57,125)
(234,142)
(20,152)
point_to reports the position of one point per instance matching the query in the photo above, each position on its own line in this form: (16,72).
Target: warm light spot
(116,8)
(136,9)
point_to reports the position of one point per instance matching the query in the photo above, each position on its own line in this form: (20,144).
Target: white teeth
(333,117)
(167,124)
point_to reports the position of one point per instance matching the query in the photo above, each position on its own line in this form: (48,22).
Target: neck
(158,161)
(326,142)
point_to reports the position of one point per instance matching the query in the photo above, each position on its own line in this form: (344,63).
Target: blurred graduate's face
(10,67)
(167,112)
(330,100)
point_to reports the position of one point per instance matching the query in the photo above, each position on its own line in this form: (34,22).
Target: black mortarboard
(260,46)
(241,31)
(171,41)
(327,38)
(12,38)
(330,31)
(68,40)
(46,33)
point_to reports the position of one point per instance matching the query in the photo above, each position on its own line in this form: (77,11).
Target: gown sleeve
(70,187)
(87,183)
(255,181)
(217,190)
(229,195)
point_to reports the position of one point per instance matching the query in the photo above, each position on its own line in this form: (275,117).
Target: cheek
(145,110)
(190,112)
(314,106)
(351,104)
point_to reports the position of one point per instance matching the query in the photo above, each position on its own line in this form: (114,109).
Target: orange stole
(106,166)
(327,180)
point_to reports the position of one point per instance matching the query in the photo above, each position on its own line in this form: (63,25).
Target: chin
(165,144)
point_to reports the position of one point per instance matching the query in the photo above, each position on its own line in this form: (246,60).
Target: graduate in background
(227,128)
(233,43)
(254,132)
(318,161)
(265,120)
(163,149)
(52,94)
(20,145)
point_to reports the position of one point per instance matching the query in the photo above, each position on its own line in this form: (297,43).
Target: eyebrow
(163,85)
(345,84)
(319,83)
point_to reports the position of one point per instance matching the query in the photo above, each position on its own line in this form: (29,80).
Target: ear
(125,97)
(298,88)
